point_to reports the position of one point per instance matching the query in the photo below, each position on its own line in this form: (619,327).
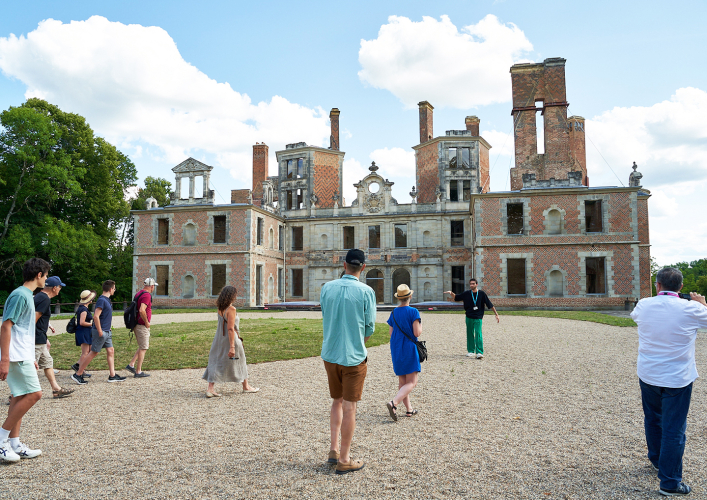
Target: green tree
(156,187)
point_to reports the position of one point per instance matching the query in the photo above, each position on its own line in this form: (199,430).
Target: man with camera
(667,329)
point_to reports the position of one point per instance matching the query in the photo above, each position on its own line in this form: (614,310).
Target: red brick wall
(620,216)
(426,163)
(645,251)
(334,139)
(326,178)
(426,132)
(260,171)
(484,165)
(578,148)
(472,124)
(240,195)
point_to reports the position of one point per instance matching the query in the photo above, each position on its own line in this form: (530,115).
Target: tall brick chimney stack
(334,138)
(472,123)
(425,121)
(260,170)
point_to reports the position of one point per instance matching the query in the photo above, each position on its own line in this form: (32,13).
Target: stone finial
(373,167)
(634,180)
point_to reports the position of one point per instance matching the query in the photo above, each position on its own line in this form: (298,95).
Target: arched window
(271,288)
(189,235)
(400,277)
(188,287)
(374,279)
(325,242)
(554,222)
(426,239)
(555,285)
(272,238)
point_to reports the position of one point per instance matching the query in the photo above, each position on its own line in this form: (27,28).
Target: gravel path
(553,411)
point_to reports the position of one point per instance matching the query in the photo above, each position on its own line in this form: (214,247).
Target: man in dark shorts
(101,336)
(42,308)
(474,302)
(142,329)
(349,316)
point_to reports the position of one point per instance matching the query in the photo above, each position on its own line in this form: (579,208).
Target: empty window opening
(593,216)
(374,236)
(220,229)
(184,188)
(466,194)
(297,238)
(162,278)
(401,235)
(295,199)
(218,278)
(516,276)
(465,154)
(259,285)
(596,275)
(540,127)
(514,214)
(187,287)
(374,279)
(453,191)
(554,222)
(199,187)
(163,232)
(189,235)
(457,233)
(280,238)
(452,157)
(295,168)
(555,285)
(259,232)
(297,282)
(349,240)
(458,280)
(400,277)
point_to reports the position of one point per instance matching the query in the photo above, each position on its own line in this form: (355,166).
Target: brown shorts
(142,335)
(42,357)
(346,381)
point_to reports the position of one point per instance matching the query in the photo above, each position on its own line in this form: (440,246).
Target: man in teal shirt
(349,314)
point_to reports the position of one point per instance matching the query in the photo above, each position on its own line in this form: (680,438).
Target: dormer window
(295,168)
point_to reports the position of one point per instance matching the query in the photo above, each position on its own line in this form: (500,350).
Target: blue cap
(54,281)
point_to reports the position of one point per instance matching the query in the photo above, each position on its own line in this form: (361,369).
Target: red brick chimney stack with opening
(472,123)
(260,170)
(425,121)
(334,138)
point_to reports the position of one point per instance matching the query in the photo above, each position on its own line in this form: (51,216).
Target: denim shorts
(22,378)
(98,342)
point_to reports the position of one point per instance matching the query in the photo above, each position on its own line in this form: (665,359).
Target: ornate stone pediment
(373,203)
(192,165)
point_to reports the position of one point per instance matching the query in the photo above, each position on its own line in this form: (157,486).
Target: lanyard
(474,298)
(672,294)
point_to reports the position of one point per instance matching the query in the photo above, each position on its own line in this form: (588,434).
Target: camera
(685,296)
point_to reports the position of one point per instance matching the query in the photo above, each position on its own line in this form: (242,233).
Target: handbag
(420,344)
(71,325)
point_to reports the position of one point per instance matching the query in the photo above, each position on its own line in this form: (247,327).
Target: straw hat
(87,296)
(403,292)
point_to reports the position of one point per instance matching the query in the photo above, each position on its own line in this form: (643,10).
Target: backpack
(131,314)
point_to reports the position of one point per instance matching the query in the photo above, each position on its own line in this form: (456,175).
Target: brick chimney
(334,138)
(472,123)
(425,121)
(260,170)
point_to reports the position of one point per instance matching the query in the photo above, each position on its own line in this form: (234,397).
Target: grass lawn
(594,317)
(119,313)
(186,345)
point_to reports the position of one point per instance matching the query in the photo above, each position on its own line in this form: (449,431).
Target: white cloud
(132,85)
(395,164)
(434,61)
(668,141)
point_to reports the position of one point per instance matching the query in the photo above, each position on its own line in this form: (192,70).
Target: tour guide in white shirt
(667,328)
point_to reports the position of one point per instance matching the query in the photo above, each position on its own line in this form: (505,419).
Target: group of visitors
(666,354)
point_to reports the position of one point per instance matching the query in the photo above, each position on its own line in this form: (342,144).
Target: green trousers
(474,339)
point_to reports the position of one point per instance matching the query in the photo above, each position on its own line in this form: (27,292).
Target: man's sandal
(411,413)
(391,409)
(62,393)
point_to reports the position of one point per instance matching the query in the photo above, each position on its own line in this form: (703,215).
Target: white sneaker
(469,354)
(479,356)
(7,454)
(23,451)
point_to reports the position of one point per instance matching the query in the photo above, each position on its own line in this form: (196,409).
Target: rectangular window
(452,157)
(259,232)
(162,278)
(218,278)
(295,168)
(453,191)
(514,213)
(349,240)
(259,285)
(279,283)
(289,201)
(457,279)
(162,232)
(291,169)
(466,157)
(596,275)
(300,199)
(457,227)
(467,190)
(374,236)
(592,216)
(540,126)
(401,235)
(297,238)
(219,229)
(300,168)
(297,283)
(516,276)
(280,238)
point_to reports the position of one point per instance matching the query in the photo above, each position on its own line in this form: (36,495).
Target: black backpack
(130,315)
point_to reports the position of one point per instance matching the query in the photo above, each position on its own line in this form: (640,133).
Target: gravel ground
(553,411)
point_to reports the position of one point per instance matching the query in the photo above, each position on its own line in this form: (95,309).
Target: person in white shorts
(17,365)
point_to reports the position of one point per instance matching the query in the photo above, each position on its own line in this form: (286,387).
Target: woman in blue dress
(84,322)
(405,326)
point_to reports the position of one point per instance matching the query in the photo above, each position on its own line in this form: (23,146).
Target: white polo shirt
(667,329)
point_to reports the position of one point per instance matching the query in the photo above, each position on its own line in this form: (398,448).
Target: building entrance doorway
(400,277)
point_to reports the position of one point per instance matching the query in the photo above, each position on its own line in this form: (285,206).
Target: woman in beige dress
(227,361)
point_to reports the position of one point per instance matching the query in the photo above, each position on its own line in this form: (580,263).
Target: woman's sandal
(212,394)
(411,413)
(391,409)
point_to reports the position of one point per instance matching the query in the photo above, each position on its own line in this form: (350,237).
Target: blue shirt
(106,317)
(349,314)
(19,308)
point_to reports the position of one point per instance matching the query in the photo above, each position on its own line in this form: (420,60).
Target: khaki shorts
(346,381)
(42,357)
(142,335)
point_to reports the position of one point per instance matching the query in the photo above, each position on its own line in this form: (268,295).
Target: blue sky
(635,70)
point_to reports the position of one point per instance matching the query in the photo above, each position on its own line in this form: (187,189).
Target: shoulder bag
(420,344)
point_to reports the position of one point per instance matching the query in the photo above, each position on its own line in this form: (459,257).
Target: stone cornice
(454,138)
